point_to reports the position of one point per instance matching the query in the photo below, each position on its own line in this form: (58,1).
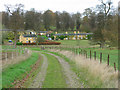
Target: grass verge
(33,74)
(17,71)
(54,77)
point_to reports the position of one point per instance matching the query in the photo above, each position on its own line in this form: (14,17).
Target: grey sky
(55,5)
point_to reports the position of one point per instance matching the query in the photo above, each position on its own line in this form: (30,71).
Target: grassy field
(82,43)
(17,71)
(113,55)
(54,77)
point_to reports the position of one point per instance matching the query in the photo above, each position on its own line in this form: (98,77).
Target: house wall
(27,39)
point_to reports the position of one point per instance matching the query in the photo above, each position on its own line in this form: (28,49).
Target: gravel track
(37,82)
(71,78)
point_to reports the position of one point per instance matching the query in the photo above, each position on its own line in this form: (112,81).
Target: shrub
(62,37)
(29,43)
(18,43)
(49,43)
(40,39)
(44,37)
(52,37)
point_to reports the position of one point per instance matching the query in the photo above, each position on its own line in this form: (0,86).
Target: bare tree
(16,18)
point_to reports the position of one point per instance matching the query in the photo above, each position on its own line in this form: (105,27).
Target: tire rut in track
(71,78)
(38,81)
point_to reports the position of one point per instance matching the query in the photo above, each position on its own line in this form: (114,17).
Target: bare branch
(108,8)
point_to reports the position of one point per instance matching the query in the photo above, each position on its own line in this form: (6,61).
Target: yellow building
(28,37)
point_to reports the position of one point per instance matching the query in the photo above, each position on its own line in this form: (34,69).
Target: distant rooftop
(43,31)
(29,35)
(74,34)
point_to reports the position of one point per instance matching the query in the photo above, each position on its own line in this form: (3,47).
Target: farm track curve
(37,82)
(71,78)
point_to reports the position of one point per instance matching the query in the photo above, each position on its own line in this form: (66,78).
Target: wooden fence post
(6,56)
(114,66)
(108,60)
(12,55)
(86,54)
(95,55)
(76,51)
(90,54)
(100,57)
(81,52)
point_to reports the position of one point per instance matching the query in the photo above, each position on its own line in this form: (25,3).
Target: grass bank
(17,71)
(54,76)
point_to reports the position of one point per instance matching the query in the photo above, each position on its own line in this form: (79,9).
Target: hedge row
(49,43)
(29,43)
(42,43)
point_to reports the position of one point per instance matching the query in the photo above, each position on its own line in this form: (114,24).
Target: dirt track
(37,82)
(72,80)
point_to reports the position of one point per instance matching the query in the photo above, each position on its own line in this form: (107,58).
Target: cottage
(28,37)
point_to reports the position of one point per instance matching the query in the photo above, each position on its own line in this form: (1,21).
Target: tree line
(102,21)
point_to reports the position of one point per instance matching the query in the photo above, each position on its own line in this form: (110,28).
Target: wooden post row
(95,55)
(108,60)
(90,54)
(114,66)
(100,57)
(86,54)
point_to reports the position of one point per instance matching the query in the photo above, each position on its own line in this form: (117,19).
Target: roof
(74,34)
(29,35)
(43,31)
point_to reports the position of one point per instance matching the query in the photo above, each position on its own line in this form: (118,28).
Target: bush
(29,43)
(49,43)
(40,39)
(89,36)
(44,37)
(62,37)
(52,37)
(18,43)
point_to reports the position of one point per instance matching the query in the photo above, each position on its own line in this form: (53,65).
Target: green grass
(33,74)
(85,76)
(17,71)
(113,55)
(54,77)
(82,43)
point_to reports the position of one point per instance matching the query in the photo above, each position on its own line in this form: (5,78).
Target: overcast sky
(71,6)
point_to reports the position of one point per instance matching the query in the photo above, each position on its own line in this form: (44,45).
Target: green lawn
(17,71)
(54,77)
(82,43)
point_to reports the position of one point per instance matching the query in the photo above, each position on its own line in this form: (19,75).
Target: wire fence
(108,58)
(12,53)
